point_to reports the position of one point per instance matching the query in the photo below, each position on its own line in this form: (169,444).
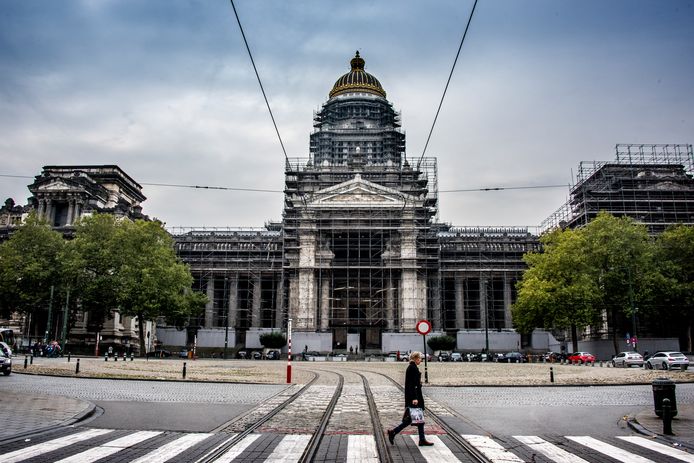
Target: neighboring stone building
(61,195)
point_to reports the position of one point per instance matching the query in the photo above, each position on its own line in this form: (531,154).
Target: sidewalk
(23,414)
(647,422)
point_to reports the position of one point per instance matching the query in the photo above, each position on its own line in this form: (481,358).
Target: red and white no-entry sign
(423,327)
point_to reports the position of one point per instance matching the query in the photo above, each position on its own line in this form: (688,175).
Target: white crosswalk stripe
(437,452)
(609,450)
(361,449)
(238,449)
(51,445)
(290,448)
(491,449)
(170,450)
(660,448)
(109,448)
(551,451)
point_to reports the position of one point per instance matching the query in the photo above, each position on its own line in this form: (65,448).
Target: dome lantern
(357,80)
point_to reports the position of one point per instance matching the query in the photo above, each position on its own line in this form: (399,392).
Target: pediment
(58,185)
(359,192)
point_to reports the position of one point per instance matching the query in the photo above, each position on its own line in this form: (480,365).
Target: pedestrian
(413,398)
(351,350)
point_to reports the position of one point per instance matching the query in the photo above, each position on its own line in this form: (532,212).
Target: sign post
(423,328)
(289,351)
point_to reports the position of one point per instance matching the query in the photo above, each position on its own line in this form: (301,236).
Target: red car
(581,357)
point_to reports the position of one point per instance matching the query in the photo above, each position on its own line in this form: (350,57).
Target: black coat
(413,386)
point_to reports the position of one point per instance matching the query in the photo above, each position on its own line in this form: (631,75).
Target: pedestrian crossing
(105,445)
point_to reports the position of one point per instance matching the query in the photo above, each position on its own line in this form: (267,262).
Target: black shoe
(425,443)
(391,437)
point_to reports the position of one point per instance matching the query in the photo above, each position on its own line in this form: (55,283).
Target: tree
(441,343)
(619,252)
(556,291)
(152,281)
(131,267)
(675,257)
(31,263)
(273,340)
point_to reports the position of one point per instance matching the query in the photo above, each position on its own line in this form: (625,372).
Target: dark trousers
(407,421)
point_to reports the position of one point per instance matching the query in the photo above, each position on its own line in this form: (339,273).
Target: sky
(165,89)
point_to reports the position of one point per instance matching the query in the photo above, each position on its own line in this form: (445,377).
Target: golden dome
(357,80)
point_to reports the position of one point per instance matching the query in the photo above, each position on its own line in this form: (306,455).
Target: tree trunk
(574,338)
(689,336)
(141,324)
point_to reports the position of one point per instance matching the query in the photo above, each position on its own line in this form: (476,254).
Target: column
(459,302)
(42,208)
(255,308)
(279,302)
(325,303)
(233,308)
(50,210)
(209,307)
(508,319)
(484,320)
(70,212)
(390,304)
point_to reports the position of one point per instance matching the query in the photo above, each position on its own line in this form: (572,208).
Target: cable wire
(259,81)
(447,82)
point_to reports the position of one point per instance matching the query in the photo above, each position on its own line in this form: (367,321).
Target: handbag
(416,415)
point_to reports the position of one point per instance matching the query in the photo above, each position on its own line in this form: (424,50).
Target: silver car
(667,360)
(627,359)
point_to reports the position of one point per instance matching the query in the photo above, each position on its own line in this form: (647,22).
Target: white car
(456,357)
(627,359)
(667,361)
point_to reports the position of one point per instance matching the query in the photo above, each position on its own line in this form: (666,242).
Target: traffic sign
(423,327)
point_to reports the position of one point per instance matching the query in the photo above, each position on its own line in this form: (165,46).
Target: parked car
(256,355)
(5,348)
(667,361)
(456,357)
(273,355)
(513,357)
(627,359)
(183,354)
(158,353)
(444,357)
(5,364)
(242,354)
(581,357)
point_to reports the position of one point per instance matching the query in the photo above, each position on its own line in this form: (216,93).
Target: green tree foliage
(132,267)
(620,258)
(597,273)
(273,340)
(441,343)
(675,258)
(557,290)
(31,261)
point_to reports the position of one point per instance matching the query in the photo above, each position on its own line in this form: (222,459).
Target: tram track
(477,455)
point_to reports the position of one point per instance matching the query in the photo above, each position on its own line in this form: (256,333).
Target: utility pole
(49,322)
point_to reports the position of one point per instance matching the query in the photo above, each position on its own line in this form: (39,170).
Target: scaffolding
(652,184)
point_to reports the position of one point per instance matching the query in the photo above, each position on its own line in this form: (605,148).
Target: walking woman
(413,398)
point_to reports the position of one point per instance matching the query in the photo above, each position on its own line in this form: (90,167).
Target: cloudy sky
(165,90)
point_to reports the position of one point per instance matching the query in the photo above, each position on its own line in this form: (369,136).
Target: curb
(91,409)
(670,440)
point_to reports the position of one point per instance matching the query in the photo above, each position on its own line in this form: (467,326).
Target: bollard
(26,360)
(124,356)
(31,359)
(132,356)
(592,364)
(68,357)
(115,358)
(184,370)
(667,417)
(600,363)
(551,375)
(77,367)
(105,357)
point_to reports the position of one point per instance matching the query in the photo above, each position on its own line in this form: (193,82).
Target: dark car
(512,357)
(242,354)
(273,355)
(444,357)
(5,364)
(255,355)
(158,353)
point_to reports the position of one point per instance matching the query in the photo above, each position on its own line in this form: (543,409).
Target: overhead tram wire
(250,55)
(260,190)
(447,83)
